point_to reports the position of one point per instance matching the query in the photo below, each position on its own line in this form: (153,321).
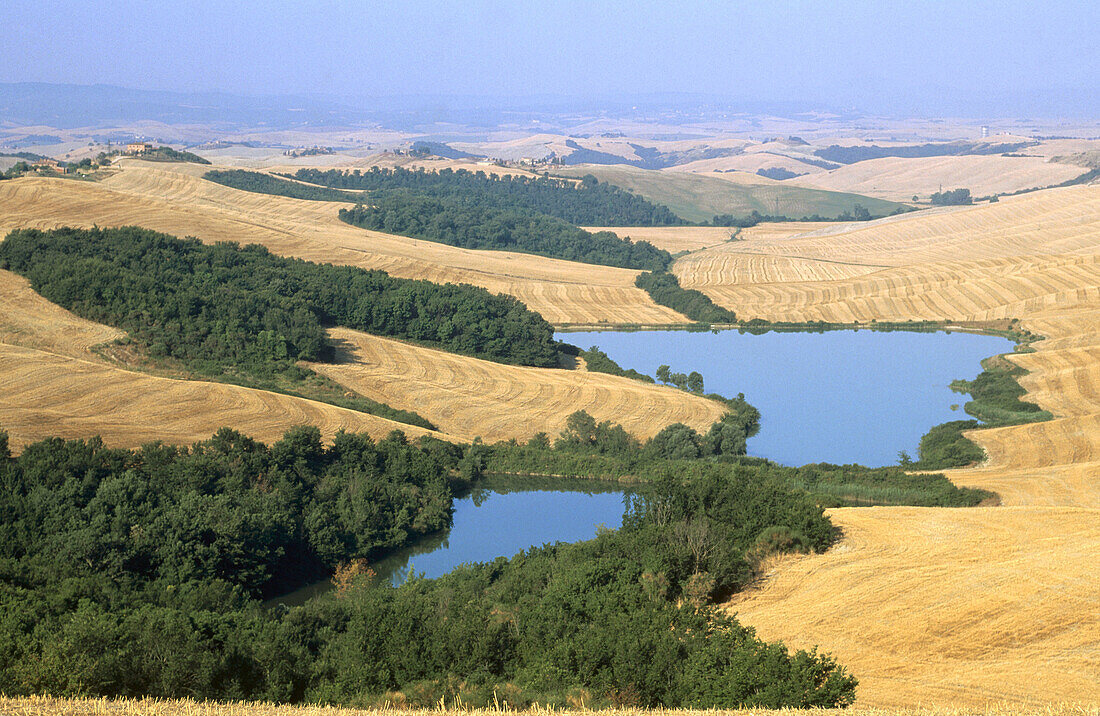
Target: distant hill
(699,198)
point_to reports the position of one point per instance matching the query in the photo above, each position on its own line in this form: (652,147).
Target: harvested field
(953,607)
(46,394)
(672,238)
(947,607)
(943,608)
(173,199)
(898,179)
(468,397)
(698,197)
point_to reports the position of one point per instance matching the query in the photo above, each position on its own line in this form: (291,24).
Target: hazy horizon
(977,59)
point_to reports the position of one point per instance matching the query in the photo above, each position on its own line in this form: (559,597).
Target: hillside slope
(698,197)
(468,397)
(953,607)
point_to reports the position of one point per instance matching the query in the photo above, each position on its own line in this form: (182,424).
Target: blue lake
(840,396)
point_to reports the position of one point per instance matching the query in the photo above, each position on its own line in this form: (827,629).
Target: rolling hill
(698,197)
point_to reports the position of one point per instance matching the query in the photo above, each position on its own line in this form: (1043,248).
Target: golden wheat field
(34,706)
(57,386)
(467,397)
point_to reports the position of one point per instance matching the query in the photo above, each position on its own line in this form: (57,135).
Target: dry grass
(673,238)
(468,397)
(46,394)
(899,179)
(173,199)
(36,705)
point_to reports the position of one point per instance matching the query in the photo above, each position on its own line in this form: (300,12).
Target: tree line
(261,183)
(952,197)
(665,289)
(463,222)
(604,450)
(464,209)
(587,203)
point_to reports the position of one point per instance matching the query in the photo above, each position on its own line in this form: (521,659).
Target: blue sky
(844,52)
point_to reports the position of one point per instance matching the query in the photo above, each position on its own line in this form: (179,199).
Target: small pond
(840,396)
(503,516)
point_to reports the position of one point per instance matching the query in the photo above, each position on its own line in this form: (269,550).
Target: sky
(930,54)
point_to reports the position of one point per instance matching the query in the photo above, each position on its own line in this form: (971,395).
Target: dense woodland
(665,289)
(589,203)
(467,224)
(138,573)
(224,304)
(262,183)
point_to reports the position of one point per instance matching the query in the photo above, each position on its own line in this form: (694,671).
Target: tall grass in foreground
(164,707)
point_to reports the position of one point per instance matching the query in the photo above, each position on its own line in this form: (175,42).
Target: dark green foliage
(996,395)
(167,154)
(996,401)
(590,450)
(590,203)
(463,222)
(664,289)
(944,447)
(224,307)
(858,213)
(266,184)
(625,616)
(230,509)
(599,362)
(778,173)
(953,197)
